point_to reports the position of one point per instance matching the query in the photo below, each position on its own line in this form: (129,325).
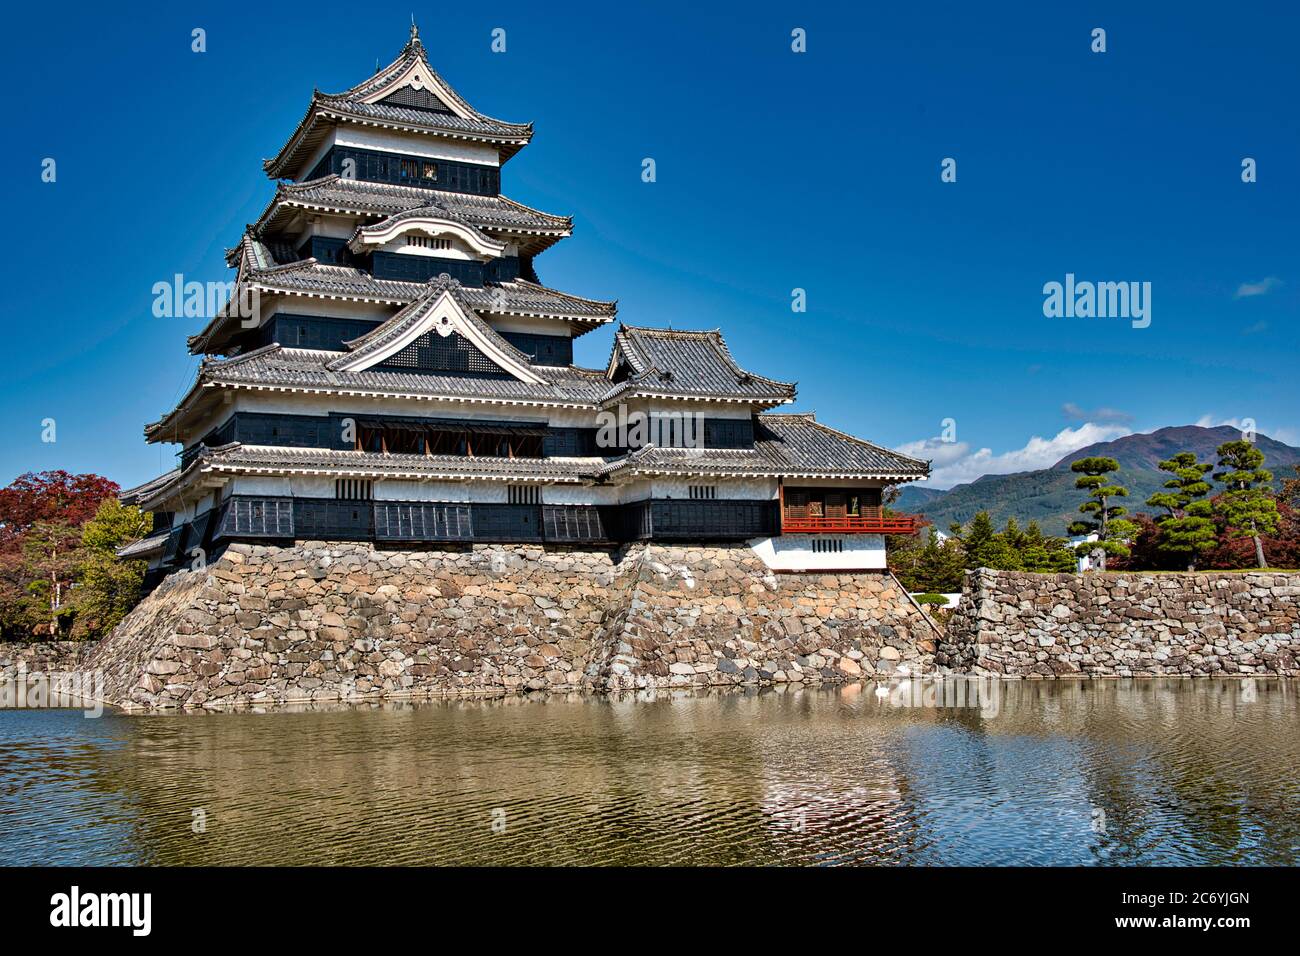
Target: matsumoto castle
(405,378)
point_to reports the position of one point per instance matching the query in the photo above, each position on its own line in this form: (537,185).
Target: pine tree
(1246,507)
(1044,555)
(1187,527)
(984,547)
(1109,524)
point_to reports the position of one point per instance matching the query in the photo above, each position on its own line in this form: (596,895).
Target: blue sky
(775,171)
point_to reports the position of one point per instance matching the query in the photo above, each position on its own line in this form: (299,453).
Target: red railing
(870,521)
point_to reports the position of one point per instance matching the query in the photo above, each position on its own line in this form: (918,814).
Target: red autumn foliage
(49,496)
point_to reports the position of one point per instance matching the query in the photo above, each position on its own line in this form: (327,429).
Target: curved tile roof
(310,277)
(668,362)
(792,445)
(462,122)
(357,197)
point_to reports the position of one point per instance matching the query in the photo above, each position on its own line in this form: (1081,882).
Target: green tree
(1043,554)
(48,565)
(941,565)
(1186,527)
(107,588)
(985,547)
(1246,507)
(1105,519)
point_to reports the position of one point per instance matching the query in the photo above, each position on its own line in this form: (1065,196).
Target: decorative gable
(416,98)
(437,333)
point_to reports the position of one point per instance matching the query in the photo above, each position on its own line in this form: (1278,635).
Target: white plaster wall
(731,489)
(458,251)
(324,224)
(298,486)
(578,495)
(411,144)
(532,323)
(460,491)
(793,552)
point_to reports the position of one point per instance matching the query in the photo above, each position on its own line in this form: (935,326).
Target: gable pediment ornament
(441,313)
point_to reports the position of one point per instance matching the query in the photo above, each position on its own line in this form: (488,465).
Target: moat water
(1107,772)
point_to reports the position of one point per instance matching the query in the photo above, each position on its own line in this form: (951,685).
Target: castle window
(828,545)
(431,172)
(409,169)
(524,494)
(704,492)
(428,242)
(353,489)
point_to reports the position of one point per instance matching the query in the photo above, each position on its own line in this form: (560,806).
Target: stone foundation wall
(341,621)
(1124,625)
(43,658)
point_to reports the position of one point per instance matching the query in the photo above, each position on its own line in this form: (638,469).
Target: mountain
(1049,496)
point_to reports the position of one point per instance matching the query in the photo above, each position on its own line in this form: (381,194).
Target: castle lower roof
(354,197)
(314,279)
(785,446)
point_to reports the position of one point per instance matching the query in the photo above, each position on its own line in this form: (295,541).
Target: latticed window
(525,494)
(434,353)
(353,489)
(704,492)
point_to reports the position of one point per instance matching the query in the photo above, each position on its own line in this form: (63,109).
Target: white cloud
(1262,287)
(936,450)
(1288,436)
(955,463)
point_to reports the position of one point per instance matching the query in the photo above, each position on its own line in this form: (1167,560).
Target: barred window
(702,492)
(428,242)
(353,489)
(524,494)
(827,545)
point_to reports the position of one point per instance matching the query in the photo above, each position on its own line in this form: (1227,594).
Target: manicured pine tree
(1187,527)
(1107,522)
(1246,507)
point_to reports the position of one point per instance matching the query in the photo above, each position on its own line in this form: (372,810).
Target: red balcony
(818,512)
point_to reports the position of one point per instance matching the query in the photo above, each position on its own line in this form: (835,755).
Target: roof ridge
(868,444)
(559,292)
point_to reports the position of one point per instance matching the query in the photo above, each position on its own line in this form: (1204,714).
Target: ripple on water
(1117,772)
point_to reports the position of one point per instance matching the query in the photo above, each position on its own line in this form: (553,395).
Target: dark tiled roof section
(669,362)
(793,445)
(412,54)
(804,443)
(311,277)
(154,542)
(482,126)
(325,110)
(294,368)
(259,253)
(516,297)
(334,193)
(134,495)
